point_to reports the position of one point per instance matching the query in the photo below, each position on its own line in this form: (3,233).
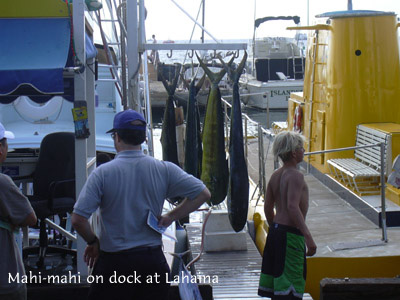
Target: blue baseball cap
(125,120)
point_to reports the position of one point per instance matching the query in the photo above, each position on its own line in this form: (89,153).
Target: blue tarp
(33,54)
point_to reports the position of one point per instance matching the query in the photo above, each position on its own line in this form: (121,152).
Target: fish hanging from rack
(168,134)
(238,188)
(193,143)
(214,170)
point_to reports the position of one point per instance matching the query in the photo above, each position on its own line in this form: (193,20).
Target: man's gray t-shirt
(14,208)
(126,189)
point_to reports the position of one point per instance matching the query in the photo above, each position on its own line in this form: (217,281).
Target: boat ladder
(298,64)
(109,28)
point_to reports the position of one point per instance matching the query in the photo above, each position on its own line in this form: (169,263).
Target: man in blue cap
(126,190)
(15,211)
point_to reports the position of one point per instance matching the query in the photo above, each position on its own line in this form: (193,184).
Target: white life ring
(27,108)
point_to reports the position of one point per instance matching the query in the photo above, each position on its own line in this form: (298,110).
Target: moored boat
(83,90)
(275,69)
(348,114)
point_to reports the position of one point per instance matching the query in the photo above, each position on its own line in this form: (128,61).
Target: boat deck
(238,271)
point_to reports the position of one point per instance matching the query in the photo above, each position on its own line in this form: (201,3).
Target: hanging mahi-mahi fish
(214,170)
(193,147)
(238,190)
(168,135)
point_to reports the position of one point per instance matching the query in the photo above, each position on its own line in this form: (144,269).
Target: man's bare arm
(82,226)
(185,208)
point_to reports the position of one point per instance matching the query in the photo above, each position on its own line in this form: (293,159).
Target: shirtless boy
(283,270)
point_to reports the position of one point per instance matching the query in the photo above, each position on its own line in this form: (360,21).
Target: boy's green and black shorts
(284,263)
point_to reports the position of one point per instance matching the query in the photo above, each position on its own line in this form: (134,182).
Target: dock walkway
(333,222)
(238,271)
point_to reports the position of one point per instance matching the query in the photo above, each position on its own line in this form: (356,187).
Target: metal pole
(245,95)
(80,94)
(342,149)
(203,21)
(190,17)
(383,203)
(266,95)
(64,232)
(150,141)
(264,180)
(122,9)
(261,164)
(349,5)
(132,53)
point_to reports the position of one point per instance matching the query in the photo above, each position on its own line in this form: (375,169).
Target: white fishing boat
(39,98)
(275,69)
(38,105)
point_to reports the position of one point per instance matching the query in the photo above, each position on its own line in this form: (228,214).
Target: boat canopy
(33,56)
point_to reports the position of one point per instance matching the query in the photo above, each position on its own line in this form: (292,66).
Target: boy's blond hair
(285,143)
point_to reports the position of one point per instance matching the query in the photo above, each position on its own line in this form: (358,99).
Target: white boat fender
(25,107)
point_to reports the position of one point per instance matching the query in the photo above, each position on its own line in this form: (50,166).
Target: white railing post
(261,162)
(383,200)
(268,121)
(80,95)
